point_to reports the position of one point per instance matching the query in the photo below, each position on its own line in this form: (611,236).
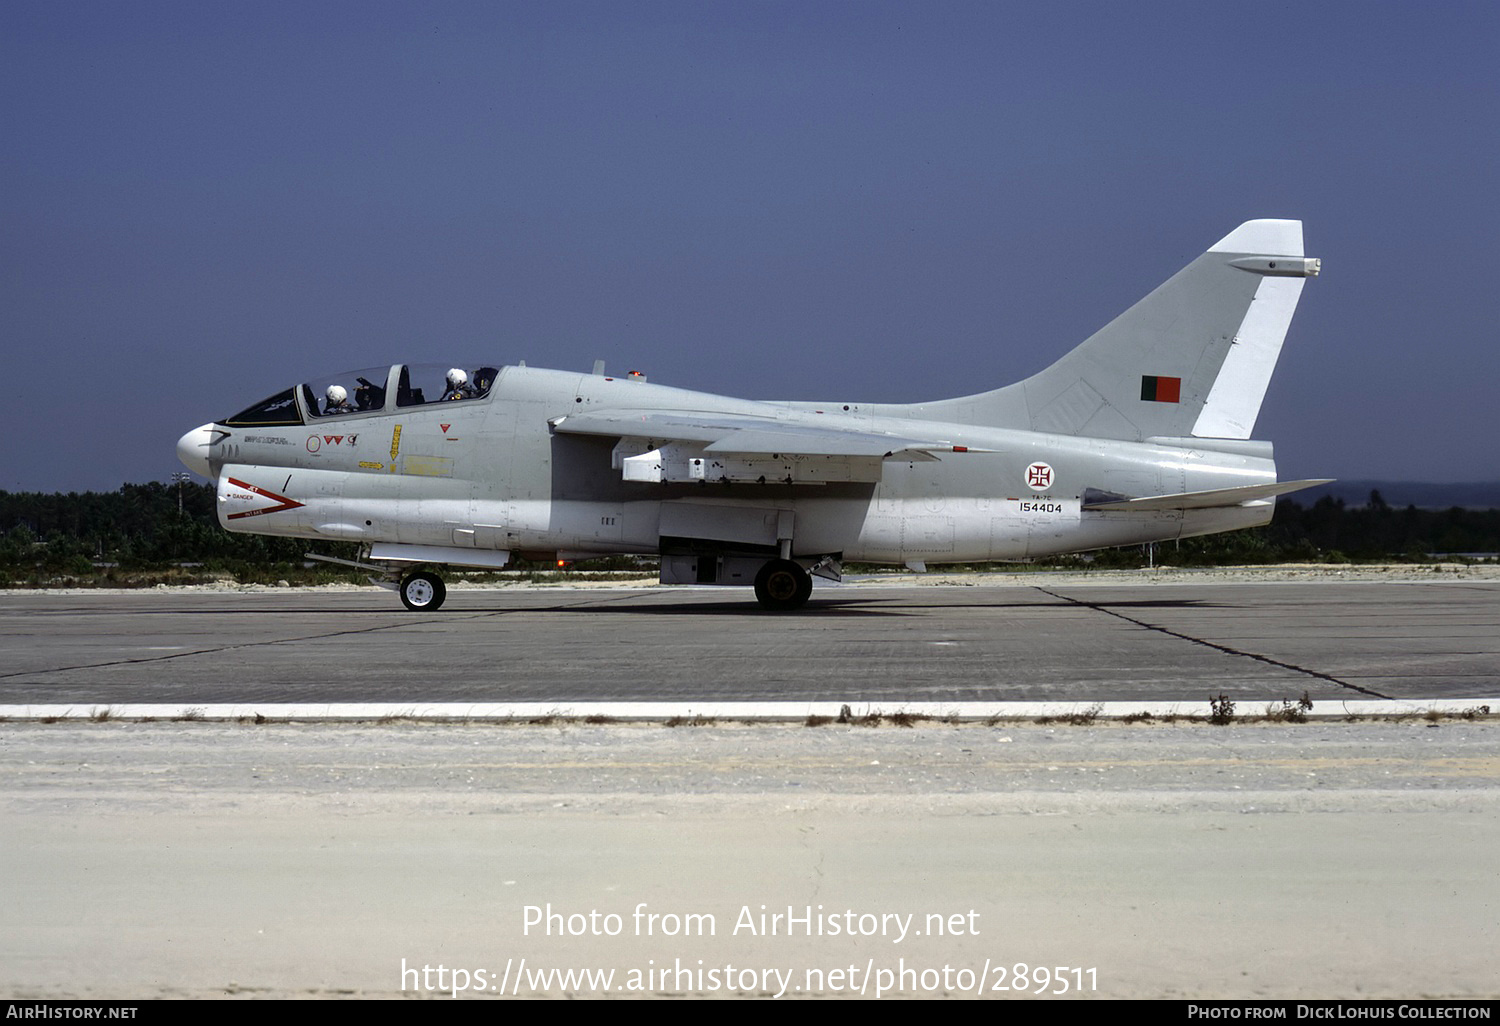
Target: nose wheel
(422,592)
(782,585)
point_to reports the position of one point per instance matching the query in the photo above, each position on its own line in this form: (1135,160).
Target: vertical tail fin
(1193,358)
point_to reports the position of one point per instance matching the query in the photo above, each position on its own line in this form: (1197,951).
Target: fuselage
(490,474)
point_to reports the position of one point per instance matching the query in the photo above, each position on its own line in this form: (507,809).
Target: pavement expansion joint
(1226,649)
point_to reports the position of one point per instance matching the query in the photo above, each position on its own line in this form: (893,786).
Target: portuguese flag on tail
(1160,390)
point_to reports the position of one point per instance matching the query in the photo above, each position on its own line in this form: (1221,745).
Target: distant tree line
(1330,531)
(156,525)
(1378,531)
(140,527)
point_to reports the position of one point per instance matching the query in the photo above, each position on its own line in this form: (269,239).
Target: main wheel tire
(422,593)
(782,585)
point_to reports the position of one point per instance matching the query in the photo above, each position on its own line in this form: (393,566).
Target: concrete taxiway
(1056,638)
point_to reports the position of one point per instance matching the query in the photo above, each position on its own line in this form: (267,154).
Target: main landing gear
(422,592)
(782,586)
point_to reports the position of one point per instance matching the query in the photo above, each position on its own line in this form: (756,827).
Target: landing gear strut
(422,592)
(782,585)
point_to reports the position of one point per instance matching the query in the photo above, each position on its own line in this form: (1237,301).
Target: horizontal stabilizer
(1219,497)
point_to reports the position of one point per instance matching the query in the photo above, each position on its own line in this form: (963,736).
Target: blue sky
(202,203)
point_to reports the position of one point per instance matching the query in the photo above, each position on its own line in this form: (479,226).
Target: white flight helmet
(336,395)
(457,378)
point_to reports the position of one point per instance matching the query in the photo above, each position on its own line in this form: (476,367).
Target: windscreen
(279,409)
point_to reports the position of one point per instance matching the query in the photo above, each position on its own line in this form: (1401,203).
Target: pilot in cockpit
(337,401)
(458,386)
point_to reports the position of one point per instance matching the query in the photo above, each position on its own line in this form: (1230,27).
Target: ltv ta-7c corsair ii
(1140,434)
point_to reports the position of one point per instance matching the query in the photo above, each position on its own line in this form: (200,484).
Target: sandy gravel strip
(749,712)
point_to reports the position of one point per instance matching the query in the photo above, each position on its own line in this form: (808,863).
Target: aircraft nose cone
(192,449)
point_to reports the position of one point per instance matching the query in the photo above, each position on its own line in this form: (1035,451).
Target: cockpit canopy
(368,391)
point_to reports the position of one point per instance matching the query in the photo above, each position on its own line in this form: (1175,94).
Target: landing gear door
(760,526)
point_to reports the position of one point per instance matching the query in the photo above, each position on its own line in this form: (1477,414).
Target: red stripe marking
(286,503)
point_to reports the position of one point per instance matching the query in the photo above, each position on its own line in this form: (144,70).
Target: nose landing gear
(421,591)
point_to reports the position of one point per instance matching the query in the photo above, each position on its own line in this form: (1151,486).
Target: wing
(678,445)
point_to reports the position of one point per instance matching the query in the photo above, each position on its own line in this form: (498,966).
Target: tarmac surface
(1058,637)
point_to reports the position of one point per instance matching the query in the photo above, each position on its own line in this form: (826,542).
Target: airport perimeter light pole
(180,477)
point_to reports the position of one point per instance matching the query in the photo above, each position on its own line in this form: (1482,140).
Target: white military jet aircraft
(1140,434)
